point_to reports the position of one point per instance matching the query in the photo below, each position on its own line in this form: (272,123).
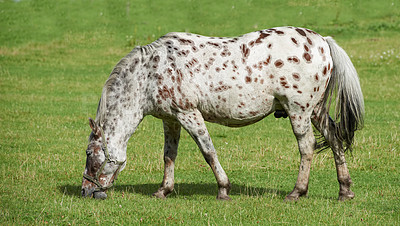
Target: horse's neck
(123,102)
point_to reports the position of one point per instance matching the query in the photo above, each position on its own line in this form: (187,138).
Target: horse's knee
(307,156)
(307,144)
(209,156)
(169,161)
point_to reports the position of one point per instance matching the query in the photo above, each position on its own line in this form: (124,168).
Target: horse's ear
(92,124)
(94,127)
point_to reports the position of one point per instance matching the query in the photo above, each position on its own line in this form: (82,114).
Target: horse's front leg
(306,142)
(193,122)
(171,140)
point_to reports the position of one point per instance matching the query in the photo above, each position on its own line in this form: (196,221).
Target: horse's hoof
(224,197)
(159,194)
(291,198)
(295,195)
(343,196)
(99,195)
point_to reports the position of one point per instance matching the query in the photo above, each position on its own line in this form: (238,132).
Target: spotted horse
(186,79)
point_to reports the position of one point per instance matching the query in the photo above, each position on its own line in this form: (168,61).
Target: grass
(56,55)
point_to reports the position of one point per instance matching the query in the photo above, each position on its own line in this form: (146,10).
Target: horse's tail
(349,112)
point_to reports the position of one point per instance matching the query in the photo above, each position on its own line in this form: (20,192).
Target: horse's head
(100,170)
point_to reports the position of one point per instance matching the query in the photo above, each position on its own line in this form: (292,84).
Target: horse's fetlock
(227,185)
(345,181)
(346,195)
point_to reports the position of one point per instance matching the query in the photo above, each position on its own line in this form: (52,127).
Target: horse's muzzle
(87,192)
(91,192)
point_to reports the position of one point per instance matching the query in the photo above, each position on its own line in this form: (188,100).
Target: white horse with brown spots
(186,79)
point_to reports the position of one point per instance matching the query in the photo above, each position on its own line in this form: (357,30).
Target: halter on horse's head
(101,170)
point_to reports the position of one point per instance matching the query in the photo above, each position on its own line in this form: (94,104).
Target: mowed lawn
(56,55)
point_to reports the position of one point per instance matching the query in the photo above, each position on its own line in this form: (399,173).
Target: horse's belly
(235,110)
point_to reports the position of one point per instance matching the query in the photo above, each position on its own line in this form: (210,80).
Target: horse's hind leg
(306,141)
(171,140)
(343,174)
(193,122)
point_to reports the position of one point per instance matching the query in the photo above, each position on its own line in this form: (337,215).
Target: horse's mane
(140,51)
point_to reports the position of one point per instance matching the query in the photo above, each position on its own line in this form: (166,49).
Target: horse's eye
(89,152)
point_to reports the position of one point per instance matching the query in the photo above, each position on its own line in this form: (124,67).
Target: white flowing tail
(349,112)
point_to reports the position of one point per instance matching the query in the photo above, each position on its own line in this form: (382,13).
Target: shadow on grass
(183,189)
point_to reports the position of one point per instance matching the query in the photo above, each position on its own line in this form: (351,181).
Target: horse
(186,79)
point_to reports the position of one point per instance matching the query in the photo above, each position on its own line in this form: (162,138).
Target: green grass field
(56,55)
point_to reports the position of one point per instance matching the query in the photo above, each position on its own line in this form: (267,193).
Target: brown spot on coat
(307,57)
(267,61)
(301,32)
(278,63)
(295,41)
(171,58)
(309,41)
(156,59)
(284,84)
(249,71)
(293,59)
(296,76)
(179,76)
(222,88)
(245,50)
(253,113)
(261,37)
(248,79)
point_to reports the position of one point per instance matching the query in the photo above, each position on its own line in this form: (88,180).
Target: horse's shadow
(183,189)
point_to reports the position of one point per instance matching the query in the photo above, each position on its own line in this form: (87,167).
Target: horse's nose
(86,192)
(100,195)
